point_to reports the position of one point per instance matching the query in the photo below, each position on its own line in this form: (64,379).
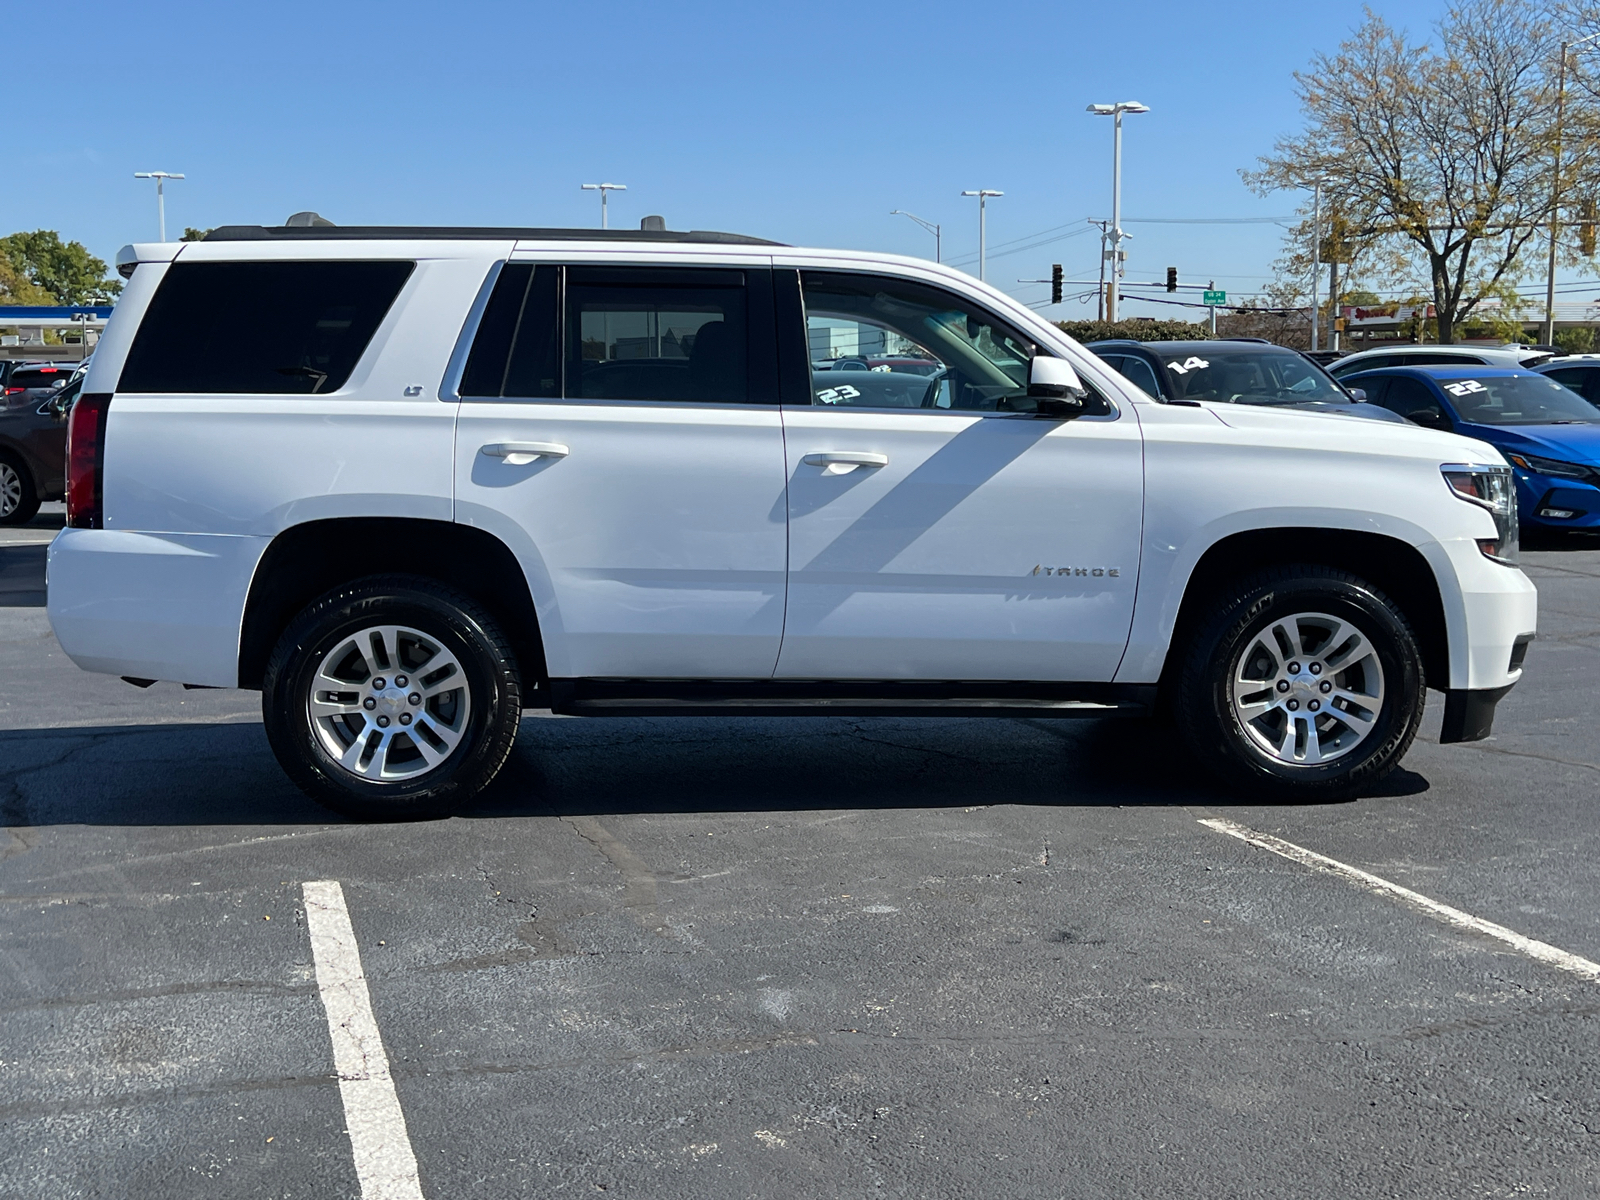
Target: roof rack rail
(336,233)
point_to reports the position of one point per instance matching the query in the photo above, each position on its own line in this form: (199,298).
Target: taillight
(15,391)
(86,453)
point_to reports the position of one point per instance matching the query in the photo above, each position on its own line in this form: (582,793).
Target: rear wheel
(19,498)
(1301,682)
(392,697)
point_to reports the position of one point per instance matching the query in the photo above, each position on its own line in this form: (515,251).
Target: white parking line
(385,1164)
(1542,951)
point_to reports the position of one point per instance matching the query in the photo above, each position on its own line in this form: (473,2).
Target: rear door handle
(520,454)
(842,462)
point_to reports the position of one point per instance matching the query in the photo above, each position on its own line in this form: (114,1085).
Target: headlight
(1555,468)
(1490,488)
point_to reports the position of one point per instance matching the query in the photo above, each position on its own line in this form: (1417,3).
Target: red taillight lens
(15,391)
(86,451)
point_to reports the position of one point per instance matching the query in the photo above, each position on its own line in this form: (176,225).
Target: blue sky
(803,123)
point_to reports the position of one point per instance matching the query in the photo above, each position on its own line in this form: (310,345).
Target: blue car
(1549,433)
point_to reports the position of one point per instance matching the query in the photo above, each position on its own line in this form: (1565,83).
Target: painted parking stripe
(385,1164)
(1542,951)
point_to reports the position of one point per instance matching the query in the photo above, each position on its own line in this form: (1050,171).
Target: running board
(851,698)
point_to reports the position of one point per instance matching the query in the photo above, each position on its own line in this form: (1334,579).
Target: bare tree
(1440,157)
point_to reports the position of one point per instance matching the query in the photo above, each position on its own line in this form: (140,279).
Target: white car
(409,482)
(1437,356)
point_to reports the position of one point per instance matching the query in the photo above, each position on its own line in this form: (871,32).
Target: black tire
(1237,750)
(448,623)
(19,495)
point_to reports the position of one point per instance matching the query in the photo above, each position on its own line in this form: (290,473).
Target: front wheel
(1302,682)
(392,697)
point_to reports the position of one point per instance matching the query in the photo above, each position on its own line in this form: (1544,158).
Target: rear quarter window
(260,328)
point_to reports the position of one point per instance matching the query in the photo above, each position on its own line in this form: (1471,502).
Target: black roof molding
(341,233)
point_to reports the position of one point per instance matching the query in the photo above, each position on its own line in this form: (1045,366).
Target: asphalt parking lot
(794,957)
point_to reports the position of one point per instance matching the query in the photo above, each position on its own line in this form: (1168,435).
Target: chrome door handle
(842,462)
(520,454)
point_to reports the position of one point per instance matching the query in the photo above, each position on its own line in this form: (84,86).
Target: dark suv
(1233,372)
(33,445)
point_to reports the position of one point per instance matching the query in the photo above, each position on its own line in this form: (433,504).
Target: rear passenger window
(517,351)
(639,334)
(260,328)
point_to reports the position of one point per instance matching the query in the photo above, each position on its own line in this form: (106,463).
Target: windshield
(1250,377)
(1517,400)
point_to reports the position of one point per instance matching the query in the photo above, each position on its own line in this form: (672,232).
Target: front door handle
(520,454)
(842,462)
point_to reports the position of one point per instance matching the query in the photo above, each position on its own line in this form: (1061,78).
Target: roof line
(338,233)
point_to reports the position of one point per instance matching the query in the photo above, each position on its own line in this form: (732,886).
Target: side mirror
(1056,386)
(1431,418)
(1359,395)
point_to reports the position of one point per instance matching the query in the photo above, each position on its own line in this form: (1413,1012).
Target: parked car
(406,482)
(1233,372)
(1423,356)
(33,449)
(1580,372)
(1549,433)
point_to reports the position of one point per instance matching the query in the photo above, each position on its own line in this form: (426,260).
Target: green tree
(1136,329)
(191,234)
(66,270)
(1439,156)
(17,288)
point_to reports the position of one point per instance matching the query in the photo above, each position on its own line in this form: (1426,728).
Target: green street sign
(1216,297)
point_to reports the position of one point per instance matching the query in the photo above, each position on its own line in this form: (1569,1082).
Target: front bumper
(1469,715)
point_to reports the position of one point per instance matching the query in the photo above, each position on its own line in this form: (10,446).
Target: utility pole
(938,246)
(1316,260)
(1333,296)
(1555,190)
(1118,257)
(603,189)
(1100,300)
(1212,286)
(983,195)
(161,178)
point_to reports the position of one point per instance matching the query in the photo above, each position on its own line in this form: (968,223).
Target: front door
(937,530)
(619,431)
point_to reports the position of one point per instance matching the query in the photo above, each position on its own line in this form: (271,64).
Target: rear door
(937,529)
(619,430)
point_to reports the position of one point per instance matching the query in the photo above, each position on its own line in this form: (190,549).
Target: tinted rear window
(260,328)
(37,377)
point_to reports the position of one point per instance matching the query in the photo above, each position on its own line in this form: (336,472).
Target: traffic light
(1172,279)
(1055,284)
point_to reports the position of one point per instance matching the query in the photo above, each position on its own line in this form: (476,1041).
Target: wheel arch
(311,558)
(1393,566)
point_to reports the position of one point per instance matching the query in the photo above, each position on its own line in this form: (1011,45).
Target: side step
(848,698)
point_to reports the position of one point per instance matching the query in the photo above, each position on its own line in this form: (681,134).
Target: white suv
(409,482)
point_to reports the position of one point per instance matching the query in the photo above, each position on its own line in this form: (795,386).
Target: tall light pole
(1555,191)
(161,178)
(938,246)
(603,189)
(1115,111)
(983,195)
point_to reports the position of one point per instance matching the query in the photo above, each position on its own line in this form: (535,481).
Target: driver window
(878,342)
(1413,401)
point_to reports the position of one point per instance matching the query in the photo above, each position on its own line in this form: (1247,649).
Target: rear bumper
(152,605)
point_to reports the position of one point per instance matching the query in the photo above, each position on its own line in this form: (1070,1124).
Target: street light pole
(161,178)
(931,227)
(983,195)
(1555,191)
(1115,111)
(603,189)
